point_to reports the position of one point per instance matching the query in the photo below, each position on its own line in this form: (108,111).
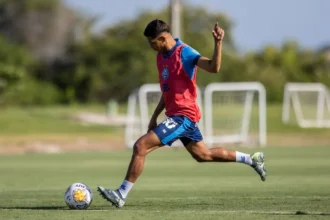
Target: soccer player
(177,67)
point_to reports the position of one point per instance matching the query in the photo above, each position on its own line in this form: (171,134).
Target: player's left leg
(201,153)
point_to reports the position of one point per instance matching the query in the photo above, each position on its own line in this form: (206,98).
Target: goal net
(141,105)
(235,113)
(309,102)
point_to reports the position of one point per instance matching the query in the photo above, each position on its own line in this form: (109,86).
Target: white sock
(125,187)
(243,158)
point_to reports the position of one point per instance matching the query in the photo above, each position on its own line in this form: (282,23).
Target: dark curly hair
(156,27)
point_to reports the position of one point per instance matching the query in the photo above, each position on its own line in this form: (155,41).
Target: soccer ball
(78,196)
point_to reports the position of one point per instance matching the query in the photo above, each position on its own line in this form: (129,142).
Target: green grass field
(48,120)
(59,120)
(23,126)
(173,186)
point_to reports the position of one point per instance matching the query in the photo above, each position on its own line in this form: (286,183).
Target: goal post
(310,105)
(229,111)
(141,104)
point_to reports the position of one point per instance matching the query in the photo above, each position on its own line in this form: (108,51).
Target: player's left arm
(213,65)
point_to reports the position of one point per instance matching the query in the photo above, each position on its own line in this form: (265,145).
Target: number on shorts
(170,123)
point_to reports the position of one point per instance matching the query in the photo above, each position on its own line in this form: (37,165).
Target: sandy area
(60,144)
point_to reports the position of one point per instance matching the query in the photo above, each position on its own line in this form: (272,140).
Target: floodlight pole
(175,18)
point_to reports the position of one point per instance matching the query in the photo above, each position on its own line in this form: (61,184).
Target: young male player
(177,66)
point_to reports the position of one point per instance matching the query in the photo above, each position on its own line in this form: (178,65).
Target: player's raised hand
(218,33)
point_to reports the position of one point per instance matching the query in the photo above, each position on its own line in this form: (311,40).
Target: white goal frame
(138,99)
(323,104)
(251,88)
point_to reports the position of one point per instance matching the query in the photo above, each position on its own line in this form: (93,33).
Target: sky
(257,22)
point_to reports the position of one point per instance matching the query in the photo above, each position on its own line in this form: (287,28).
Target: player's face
(157,44)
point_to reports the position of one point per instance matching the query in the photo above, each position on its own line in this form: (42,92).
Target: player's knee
(202,156)
(139,148)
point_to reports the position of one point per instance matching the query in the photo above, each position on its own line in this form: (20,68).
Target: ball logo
(79,195)
(165,73)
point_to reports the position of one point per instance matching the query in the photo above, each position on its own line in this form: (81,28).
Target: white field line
(111,209)
(247,197)
(207,212)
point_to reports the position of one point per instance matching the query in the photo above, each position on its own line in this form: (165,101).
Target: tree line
(50,55)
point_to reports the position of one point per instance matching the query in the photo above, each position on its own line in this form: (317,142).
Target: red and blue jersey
(177,77)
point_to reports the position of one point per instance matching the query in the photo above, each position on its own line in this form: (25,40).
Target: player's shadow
(59,208)
(35,208)
(301,213)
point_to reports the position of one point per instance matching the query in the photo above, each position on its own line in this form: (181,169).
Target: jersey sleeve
(189,57)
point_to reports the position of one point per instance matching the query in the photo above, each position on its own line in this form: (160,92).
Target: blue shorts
(178,127)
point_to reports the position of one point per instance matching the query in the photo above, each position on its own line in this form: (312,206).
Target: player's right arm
(153,121)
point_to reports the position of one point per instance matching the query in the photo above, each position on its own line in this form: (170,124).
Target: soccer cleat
(113,196)
(258,164)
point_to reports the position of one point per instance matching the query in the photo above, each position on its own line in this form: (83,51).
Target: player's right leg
(201,153)
(141,148)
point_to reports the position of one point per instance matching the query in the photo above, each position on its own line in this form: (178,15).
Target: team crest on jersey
(165,73)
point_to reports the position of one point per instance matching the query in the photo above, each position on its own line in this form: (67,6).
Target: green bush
(31,92)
